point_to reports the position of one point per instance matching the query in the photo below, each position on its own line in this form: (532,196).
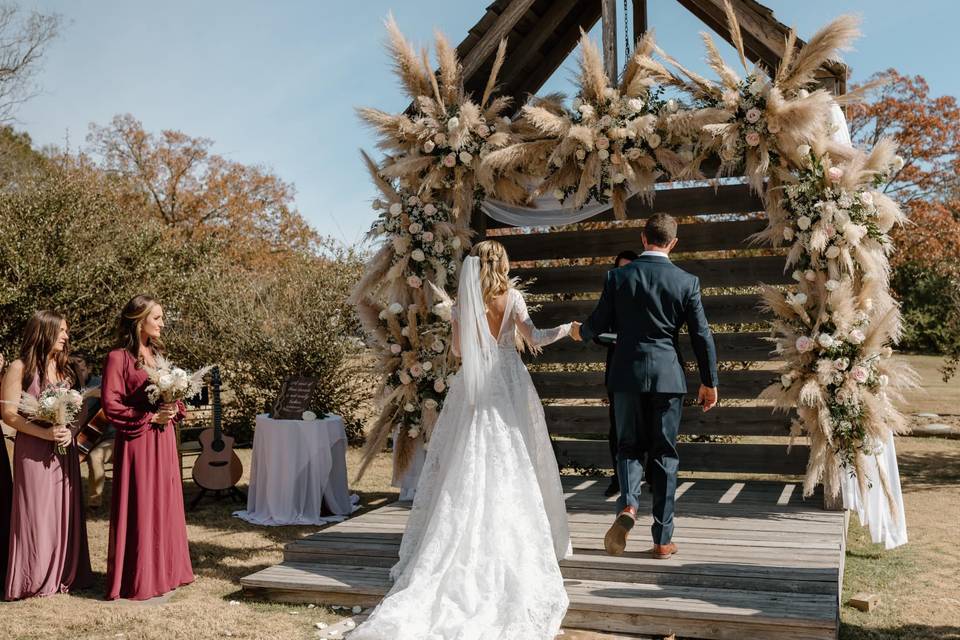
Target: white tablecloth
(298,467)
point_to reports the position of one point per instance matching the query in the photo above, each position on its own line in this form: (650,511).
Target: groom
(648,301)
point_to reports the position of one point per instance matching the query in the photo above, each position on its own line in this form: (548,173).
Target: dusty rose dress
(48,528)
(148,554)
(6,499)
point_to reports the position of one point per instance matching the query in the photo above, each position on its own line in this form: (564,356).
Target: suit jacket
(649,301)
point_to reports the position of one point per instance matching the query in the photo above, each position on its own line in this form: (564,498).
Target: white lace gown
(479,558)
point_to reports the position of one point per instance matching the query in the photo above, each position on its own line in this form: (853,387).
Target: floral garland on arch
(835,329)
(428,190)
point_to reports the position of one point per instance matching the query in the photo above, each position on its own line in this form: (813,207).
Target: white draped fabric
(479,557)
(546,212)
(887,523)
(298,467)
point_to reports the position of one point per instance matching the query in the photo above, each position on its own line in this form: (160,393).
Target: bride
(479,557)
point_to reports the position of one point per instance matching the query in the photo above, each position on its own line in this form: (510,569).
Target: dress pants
(647,428)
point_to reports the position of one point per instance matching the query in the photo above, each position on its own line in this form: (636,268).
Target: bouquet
(169,383)
(57,405)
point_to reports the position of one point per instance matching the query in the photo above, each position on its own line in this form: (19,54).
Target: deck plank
(755,560)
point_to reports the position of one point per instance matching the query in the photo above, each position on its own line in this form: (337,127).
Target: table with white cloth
(298,468)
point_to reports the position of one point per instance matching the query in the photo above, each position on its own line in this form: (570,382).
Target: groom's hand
(575,332)
(707,398)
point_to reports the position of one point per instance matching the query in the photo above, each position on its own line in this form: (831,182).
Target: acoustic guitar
(93,425)
(217,468)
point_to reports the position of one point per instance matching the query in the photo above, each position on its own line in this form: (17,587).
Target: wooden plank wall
(712,225)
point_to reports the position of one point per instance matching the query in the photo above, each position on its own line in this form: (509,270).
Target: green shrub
(930,303)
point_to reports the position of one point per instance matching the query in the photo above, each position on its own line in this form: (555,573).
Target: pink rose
(414,228)
(753,138)
(449,160)
(835,174)
(859,374)
(603,143)
(414,282)
(805,344)
(439,386)
(429,209)
(416,370)
(428,236)
(753,115)
(395,348)
(856,336)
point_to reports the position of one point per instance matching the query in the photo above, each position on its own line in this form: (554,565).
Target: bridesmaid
(6,498)
(148,553)
(48,531)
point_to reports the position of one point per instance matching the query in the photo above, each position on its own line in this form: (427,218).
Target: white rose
(465,157)
(825,340)
(786,380)
(832,251)
(803,150)
(429,146)
(803,93)
(415,228)
(427,366)
(610,92)
(635,104)
(409,407)
(800,298)
(430,403)
(866,198)
(810,275)
(603,154)
(672,105)
(455,242)
(580,154)
(898,163)
(417,255)
(653,140)
(856,336)
(756,87)
(396,209)
(429,209)
(797,275)
(586,110)
(831,285)
(453,123)
(803,223)
(787,234)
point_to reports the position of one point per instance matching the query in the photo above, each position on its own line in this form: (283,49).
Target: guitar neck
(215,400)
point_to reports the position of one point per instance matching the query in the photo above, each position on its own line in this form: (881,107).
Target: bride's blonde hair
(494,267)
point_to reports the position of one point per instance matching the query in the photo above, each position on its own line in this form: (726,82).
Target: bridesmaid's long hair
(494,267)
(39,337)
(128,328)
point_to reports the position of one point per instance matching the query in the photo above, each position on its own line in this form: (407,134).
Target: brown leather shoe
(664,551)
(616,539)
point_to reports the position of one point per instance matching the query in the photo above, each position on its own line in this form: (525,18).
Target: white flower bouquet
(169,383)
(57,405)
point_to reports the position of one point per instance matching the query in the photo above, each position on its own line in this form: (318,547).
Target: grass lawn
(919,585)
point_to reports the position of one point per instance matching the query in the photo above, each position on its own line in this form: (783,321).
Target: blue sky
(275,83)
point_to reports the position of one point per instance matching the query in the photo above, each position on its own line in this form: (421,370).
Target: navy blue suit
(649,301)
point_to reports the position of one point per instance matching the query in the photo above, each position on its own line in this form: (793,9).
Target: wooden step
(601,605)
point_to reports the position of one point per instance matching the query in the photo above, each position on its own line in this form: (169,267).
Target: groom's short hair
(661,229)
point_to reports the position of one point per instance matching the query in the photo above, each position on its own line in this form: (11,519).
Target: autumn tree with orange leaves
(198,193)
(927,259)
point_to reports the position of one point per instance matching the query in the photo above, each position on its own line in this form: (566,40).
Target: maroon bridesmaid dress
(148,553)
(48,529)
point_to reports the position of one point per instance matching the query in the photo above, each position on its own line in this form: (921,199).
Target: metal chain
(626,33)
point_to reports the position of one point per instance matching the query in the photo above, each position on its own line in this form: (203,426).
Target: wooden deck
(755,562)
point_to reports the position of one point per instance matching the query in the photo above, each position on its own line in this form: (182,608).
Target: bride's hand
(575,331)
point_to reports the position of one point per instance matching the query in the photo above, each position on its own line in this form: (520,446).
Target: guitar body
(93,425)
(217,468)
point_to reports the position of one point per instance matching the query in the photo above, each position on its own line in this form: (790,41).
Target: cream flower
(418,255)
(753,115)
(396,209)
(803,223)
(653,140)
(833,251)
(753,139)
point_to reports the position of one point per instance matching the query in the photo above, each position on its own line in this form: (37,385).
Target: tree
(199,194)
(23,41)
(926,263)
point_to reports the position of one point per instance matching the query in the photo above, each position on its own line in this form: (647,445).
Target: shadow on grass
(905,632)
(926,470)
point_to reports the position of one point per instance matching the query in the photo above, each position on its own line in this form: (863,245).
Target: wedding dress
(479,557)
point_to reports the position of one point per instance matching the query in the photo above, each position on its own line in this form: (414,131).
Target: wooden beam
(566,43)
(737,384)
(518,58)
(609,15)
(723,309)
(640,24)
(731,347)
(488,44)
(585,420)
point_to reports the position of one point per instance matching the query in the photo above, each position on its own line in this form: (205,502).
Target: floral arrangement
(616,142)
(169,383)
(57,404)
(834,329)
(428,188)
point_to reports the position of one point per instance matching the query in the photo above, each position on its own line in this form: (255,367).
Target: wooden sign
(294,398)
